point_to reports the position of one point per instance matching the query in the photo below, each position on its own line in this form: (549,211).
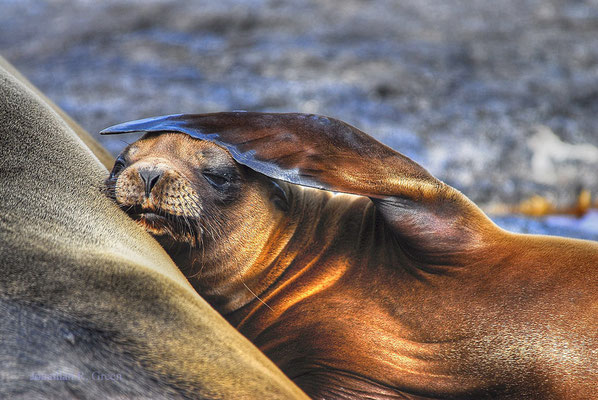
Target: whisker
(256,296)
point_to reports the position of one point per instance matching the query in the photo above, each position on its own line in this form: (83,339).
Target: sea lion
(406,290)
(92,307)
(98,151)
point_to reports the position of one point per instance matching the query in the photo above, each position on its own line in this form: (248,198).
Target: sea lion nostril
(150,177)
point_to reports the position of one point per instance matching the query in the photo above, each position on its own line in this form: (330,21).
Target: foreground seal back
(91,305)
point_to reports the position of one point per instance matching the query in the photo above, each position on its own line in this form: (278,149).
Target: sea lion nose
(150,177)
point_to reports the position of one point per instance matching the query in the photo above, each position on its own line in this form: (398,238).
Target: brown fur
(418,295)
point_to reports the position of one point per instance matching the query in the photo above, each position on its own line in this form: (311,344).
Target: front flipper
(325,153)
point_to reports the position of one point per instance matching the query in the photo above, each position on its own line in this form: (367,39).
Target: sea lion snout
(150,177)
(154,185)
(158,196)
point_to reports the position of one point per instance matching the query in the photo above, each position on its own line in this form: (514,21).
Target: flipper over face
(303,149)
(326,153)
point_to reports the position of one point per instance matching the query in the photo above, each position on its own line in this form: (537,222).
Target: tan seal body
(405,291)
(92,307)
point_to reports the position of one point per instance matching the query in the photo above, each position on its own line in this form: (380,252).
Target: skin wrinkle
(418,294)
(282,262)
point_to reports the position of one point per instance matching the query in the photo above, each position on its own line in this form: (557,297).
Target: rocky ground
(499,99)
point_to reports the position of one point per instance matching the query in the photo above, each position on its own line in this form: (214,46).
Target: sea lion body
(410,292)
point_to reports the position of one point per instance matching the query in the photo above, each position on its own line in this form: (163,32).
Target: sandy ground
(499,99)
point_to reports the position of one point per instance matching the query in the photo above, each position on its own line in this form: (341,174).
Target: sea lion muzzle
(155,195)
(150,177)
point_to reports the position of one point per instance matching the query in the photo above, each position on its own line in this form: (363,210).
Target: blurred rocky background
(499,99)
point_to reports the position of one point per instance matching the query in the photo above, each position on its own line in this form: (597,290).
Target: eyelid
(216,178)
(217,172)
(119,164)
(121,159)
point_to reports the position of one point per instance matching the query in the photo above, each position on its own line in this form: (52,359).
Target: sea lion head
(196,199)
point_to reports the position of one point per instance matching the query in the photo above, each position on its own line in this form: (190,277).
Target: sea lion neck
(300,263)
(227,268)
(236,278)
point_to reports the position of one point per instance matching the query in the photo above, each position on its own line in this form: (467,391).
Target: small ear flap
(279,195)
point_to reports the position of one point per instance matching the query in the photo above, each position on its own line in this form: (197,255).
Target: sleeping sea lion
(91,306)
(400,288)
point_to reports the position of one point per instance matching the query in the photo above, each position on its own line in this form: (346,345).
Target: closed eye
(218,181)
(119,165)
